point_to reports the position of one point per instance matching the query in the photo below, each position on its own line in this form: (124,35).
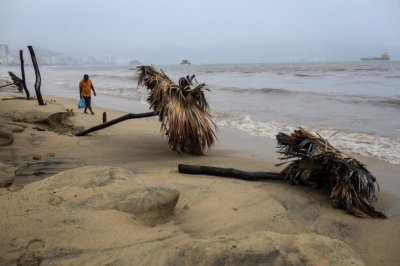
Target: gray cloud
(206,31)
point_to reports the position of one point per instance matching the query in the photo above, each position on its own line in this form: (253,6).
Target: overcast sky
(205,31)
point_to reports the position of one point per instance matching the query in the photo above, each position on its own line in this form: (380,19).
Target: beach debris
(20,83)
(227,172)
(314,161)
(16,81)
(182,109)
(38,79)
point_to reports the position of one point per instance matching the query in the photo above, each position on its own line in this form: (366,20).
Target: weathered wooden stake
(104,117)
(38,78)
(21,58)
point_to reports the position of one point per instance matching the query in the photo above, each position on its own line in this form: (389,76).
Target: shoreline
(239,144)
(208,207)
(246,145)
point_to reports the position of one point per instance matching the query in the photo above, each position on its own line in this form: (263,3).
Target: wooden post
(104,117)
(38,78)
(21,58)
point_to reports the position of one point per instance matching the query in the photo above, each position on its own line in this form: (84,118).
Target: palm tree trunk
(115,121)
(227,172)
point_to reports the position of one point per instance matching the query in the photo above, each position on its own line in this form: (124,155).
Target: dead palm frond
(351,185)
(183,111)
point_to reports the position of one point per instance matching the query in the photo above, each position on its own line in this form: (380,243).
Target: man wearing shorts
(85,89)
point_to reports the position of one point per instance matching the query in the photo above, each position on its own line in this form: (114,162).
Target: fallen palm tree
(351,185)
(182,110)
(313,162)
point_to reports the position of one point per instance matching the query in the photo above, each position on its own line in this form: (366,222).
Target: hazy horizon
(162,32)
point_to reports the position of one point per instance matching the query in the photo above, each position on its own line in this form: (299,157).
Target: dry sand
(108,199)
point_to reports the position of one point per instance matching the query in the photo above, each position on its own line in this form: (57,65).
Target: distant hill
(134,63)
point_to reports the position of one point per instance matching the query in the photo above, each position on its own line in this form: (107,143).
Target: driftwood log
(21,58)
(115,121)
(38,78)
(227,172)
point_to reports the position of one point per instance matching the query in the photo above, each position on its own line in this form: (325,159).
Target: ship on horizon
(384,57)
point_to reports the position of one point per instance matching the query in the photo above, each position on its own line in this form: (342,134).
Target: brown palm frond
(183,111)
(351,185)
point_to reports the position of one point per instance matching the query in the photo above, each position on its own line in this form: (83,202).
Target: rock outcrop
(185,62)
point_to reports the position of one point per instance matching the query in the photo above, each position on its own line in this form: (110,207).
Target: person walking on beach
(85,92)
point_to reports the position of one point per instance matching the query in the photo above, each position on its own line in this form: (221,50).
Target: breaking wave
(262,90)
(384,148)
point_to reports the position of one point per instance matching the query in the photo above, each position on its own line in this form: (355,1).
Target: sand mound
(98,215)
(267,248)
(57,122)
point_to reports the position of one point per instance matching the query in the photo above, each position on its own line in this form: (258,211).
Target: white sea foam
(384,148)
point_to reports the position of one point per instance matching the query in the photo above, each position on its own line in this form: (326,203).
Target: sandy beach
(82,200)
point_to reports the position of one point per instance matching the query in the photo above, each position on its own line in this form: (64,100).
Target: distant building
(47,57)
(4,54)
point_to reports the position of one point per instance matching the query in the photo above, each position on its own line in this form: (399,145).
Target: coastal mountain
(134,63)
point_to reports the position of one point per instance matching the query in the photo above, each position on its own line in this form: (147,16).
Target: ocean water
(356,106)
